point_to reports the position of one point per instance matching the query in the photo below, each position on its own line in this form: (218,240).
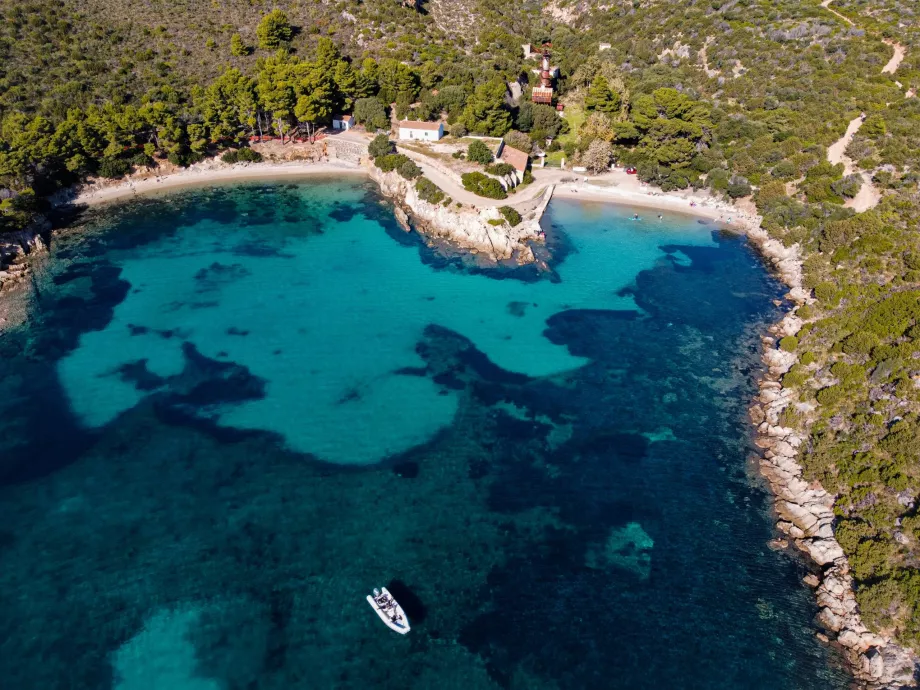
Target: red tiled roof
(542,94)
(415,124)
(515,158)
(343,118)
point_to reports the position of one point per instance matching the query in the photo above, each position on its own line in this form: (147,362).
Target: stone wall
(350,151)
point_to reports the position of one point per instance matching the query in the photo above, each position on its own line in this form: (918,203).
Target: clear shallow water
(236,410)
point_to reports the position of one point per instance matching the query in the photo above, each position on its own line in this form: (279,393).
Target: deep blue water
(236,410)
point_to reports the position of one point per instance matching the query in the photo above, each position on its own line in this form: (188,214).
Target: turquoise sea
(236,410)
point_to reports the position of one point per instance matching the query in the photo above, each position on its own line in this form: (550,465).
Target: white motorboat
(389,610)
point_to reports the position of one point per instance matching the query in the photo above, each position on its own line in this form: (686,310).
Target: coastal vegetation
(483,185)
(742,97)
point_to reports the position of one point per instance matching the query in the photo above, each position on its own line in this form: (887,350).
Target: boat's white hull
(394,618)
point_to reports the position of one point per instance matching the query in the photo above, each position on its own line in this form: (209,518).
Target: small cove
(247,405)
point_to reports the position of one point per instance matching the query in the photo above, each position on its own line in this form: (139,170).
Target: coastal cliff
(16,248)
(805,511)
(464,227)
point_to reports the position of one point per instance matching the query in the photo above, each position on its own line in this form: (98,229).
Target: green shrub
(827,293)
(738,187)
(483,185)
(785,170)
(860,343)
(247,155)
(789,343)
(242,155)
(848,187)
(391,162)
(807,358)
(409,170)
(141,160)
(478,152)
(113,167)
(428,191)
(496,221)
(831,395)
(795,377)
(380,146)
(894,315)
(500,169)
(805,312)
(510,214)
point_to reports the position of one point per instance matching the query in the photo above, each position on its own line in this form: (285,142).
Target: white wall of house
(407,133)
(341,124)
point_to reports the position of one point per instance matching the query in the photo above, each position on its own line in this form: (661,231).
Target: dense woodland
(741,96)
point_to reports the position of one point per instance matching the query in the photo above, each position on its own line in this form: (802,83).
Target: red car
(630,171)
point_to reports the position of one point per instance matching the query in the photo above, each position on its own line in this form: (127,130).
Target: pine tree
(600,97)
(485,111)
(274,30)
(237,47)
(346,84)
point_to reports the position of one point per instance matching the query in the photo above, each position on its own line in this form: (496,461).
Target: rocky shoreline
(465,227)
(18,248)
(805,511)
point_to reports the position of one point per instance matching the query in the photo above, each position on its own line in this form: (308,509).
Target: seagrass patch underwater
(238,409)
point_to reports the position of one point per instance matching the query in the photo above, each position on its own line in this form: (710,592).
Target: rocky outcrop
(804,510)
(463,227)
(17,247)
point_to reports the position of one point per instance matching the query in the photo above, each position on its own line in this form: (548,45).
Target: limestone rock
(465,227)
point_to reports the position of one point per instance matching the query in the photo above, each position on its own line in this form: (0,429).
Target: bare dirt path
(868,195)
(705,58)
(899,51)
(826,4)
(836,152)
(895,61)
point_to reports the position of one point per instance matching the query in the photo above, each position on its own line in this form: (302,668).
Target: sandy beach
(614,187)
(618,188)
(206,172)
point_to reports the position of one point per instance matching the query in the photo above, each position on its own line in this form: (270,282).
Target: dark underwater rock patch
(140,376)
(217,275)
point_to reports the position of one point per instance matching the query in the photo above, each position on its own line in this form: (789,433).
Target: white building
(342,122)
(421,131)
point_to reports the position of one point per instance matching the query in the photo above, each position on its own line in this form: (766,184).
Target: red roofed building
(542,94)
(516,159)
